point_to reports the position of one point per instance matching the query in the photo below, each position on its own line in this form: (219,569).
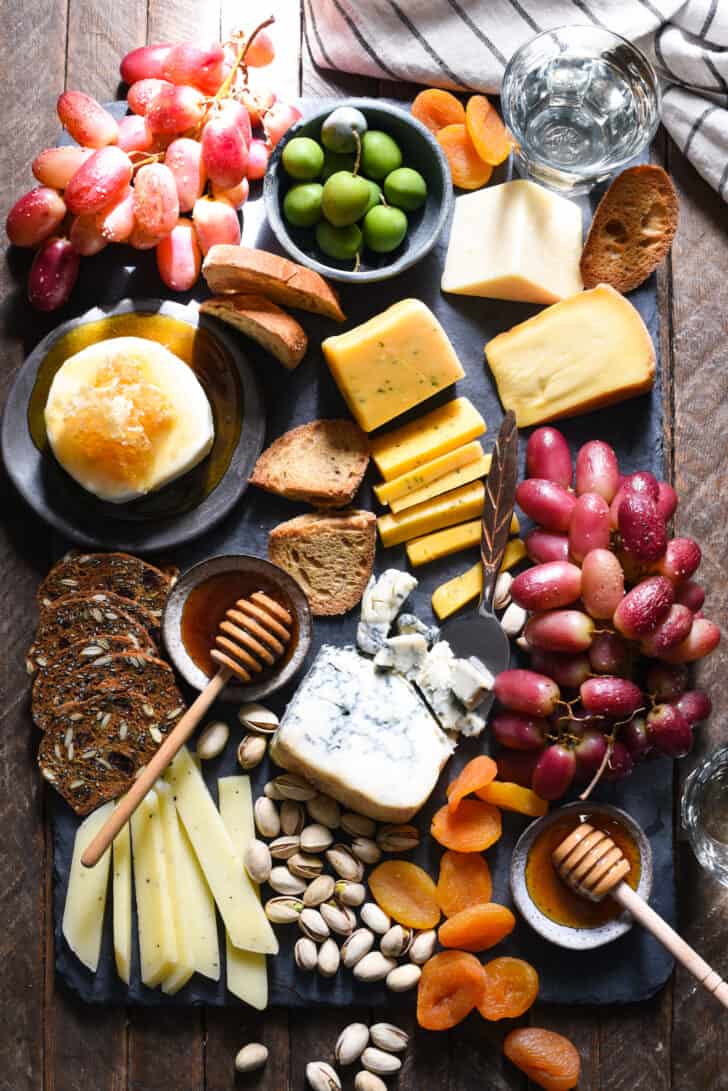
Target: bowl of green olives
(358,191)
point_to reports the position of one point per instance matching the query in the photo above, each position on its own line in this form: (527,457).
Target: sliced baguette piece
(276,331)
(632,230)
(329,555)
(243,269)
(321,463)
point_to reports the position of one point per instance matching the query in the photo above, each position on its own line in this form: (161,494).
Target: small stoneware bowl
(577,939)
(261,575)
(420,151)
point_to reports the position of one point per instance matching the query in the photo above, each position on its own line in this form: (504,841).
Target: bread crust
(321,463)
(260,319)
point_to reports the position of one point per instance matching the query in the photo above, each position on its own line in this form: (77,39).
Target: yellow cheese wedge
(461,590)
(391,363)
(155,916)
(416,479)
(443,543)
(122,902)
(247,976)
(443,511)
(233,892)
(462,476)
(428,437)
(200,911)
(586,352)
(183,924)
(83,913)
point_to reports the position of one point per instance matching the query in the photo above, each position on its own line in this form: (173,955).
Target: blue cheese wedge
(405,654)
(471,681)
(381,602)
(362,735)
(453,688)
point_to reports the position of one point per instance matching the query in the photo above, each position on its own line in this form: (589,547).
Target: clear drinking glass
(581,102)
(705,813)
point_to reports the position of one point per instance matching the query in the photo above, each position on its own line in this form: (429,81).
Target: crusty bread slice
(243,269)
(632,229)
(329,555)
(321,463)
(278,332)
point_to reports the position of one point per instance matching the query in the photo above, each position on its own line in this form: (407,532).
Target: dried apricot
(478,927)
(512,797)
(450,987)
(466,167)
(436,109)
(476,774)
(547,1058)
(475,826)
(464,880)
(486,130)
(511,987)
(406,892)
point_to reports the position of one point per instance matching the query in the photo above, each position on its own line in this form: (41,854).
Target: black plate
(92,523)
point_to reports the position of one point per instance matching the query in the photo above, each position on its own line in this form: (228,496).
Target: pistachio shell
(255,717)
(351,1043)
(320,1076)
(324,809)
(319,891)
(388,1037)
(267,819)
(356,946)
(293,817)
(305,953)
(403,978)
(257,861)
(251,751)
(329,959)
(375,918)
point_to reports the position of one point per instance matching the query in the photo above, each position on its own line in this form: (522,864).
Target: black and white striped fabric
(466,43)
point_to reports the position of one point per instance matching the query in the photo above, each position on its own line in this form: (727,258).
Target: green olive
(384,228)
(375,195)
(334,162)
(405,188)
(379,154)
(303,158)
(345,197)
(337,131)
(302,204)
(343,243)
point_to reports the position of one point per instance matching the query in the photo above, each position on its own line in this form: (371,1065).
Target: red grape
(602,583)
(544,546)
(141,93)
(526,691)
(200,66)
(547,586)
(554,772)
(141,240)
(224,152)
(258,156)
(619,763)
(589,753)
(666,500)
(261,50)
(669,633)
(234,112)
(669,731)
(546,503)
(560,631)
(184,159)
(278,120)
(636,738)
(257,101)
(597,470)
(85,236)
(695,705)
(568,670)
(144,63)
(174,109)
(644,607)
(178,257)
(608,695)
(703,638)
(548,456)
(52,274)
(609,654)
(135,134)
(215,222)
(156,205)
(55,167)
(98,181)
(681,561)
(643,483)
(690,594)
(86,120)
(667,682)
(116,222)
(519,732)
(516,767)
(589,525)
(35,216)
(237,196)
(643,530)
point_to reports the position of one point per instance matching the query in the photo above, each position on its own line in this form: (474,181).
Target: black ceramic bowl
(420,150)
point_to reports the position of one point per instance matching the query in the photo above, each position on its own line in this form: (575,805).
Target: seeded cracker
(127,576)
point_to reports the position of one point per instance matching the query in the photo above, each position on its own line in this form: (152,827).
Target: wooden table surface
(678,1040)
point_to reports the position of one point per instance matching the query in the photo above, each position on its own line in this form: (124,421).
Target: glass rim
(695,780)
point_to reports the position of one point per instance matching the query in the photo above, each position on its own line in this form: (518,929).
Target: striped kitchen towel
(466,44)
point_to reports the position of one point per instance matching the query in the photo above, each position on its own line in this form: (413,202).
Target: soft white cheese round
(126,416)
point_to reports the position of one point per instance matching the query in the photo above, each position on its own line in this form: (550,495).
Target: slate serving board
(630,969)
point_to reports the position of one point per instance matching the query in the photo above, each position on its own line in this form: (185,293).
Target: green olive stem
(357,161)
(357,261)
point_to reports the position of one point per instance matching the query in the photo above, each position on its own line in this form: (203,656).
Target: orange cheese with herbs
(443,511)
(418,442)
(417,478)
(443,543)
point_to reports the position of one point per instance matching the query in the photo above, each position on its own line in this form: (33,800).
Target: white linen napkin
(467,43)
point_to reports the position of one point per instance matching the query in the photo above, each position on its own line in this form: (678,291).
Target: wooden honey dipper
(254,635)
(592,865)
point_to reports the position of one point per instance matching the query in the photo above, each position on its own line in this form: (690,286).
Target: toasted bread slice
(321,463)
(632,229)
(243,269)
(276,331)
(329,555)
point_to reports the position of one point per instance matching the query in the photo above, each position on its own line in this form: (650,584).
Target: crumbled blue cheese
(470,681)
(471,724)
(380,604)
(434,680)
(410,623)
(363,735)
(405,654)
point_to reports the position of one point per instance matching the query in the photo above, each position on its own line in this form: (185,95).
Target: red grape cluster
(186,147)
(615,617)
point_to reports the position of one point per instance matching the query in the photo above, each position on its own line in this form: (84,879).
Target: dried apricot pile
(464,880)
(477,774)
(473,139)
(477,928)
(513,797)
(511,987)
(451,985)
(406,893)
(474,827)
(547,1058)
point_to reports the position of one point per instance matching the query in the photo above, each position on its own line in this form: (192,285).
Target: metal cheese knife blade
(478,633)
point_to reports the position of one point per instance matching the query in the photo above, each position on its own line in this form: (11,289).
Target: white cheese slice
(362,735)
(245,921)
(381,602)
(514,241)
(246,973)
(200,911)
(83,913)
(173,850)
(122,902)
(405,654)
(155,917)
(470,681)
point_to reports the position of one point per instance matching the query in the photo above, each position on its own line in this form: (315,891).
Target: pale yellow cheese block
(122,884)
(428,437)
(443,543)
(586,352)
(201,911)
(396,360)
(514,241)
(246,973)
(461,590)
(239,907)
(83,913)
(443,511)
(414,480)
(155,916)
(462,476)
(183,924)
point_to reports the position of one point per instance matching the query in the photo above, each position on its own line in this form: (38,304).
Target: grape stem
(602,766)
(240,60)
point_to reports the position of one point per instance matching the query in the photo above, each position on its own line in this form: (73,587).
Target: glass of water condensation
(705,813)
(580,102)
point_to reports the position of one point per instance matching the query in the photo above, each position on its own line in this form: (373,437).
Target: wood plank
(475,1058)
(99,34)
(165,1050)
(229,1029)
(179,21)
